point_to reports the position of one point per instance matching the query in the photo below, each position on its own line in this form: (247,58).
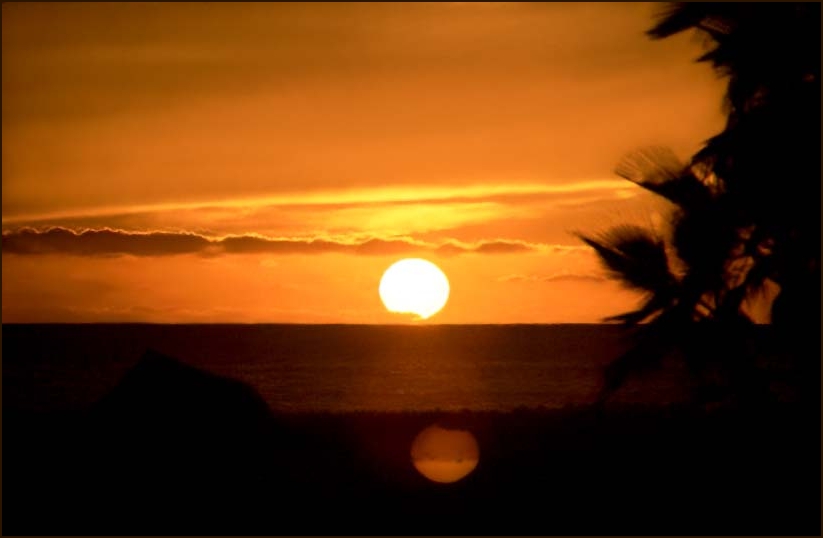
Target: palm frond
(635,256)
(657,303)
(715,19)
(675,17)
(650,166)
(659,170)
(655,343)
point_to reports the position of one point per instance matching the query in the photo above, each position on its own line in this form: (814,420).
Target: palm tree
(745,209)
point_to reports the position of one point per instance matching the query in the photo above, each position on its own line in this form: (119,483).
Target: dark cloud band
(108,242)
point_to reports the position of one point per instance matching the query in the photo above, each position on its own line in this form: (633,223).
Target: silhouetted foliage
(745,211)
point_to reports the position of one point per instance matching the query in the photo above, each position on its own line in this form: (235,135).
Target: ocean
(338,368)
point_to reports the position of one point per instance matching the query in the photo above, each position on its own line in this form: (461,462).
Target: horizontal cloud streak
(109,242)
(383,197)
(101,242)
(558,277)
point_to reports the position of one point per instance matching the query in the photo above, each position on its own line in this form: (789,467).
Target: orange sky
(267,162)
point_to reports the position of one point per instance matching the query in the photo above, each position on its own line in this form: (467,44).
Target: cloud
(503,247)
(101,242)
(556,277)
(526,212)
(452,248)
(568,249)
(372,198)
(109,242)
(254,245)
(574,278)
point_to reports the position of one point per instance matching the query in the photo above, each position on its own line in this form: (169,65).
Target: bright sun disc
(414,286)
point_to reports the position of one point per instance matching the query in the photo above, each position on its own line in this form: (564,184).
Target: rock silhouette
(172,444)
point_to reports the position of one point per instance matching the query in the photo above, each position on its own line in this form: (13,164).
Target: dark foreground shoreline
(173,450)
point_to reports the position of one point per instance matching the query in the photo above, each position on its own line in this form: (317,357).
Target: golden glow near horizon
(445,455)
(265,162)
(414,286)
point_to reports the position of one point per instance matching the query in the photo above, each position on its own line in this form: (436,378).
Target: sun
(414,286)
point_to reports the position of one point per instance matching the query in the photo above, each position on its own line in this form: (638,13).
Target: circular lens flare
(444,455)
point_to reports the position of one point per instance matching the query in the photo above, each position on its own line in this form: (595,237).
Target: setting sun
(414,286)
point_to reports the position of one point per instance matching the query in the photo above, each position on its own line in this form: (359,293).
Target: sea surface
(304,368)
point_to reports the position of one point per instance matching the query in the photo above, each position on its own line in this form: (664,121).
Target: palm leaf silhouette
(634,255)
(757,182)
(638,259)
(659,170)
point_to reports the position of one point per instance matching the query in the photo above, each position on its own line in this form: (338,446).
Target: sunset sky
(204,162)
